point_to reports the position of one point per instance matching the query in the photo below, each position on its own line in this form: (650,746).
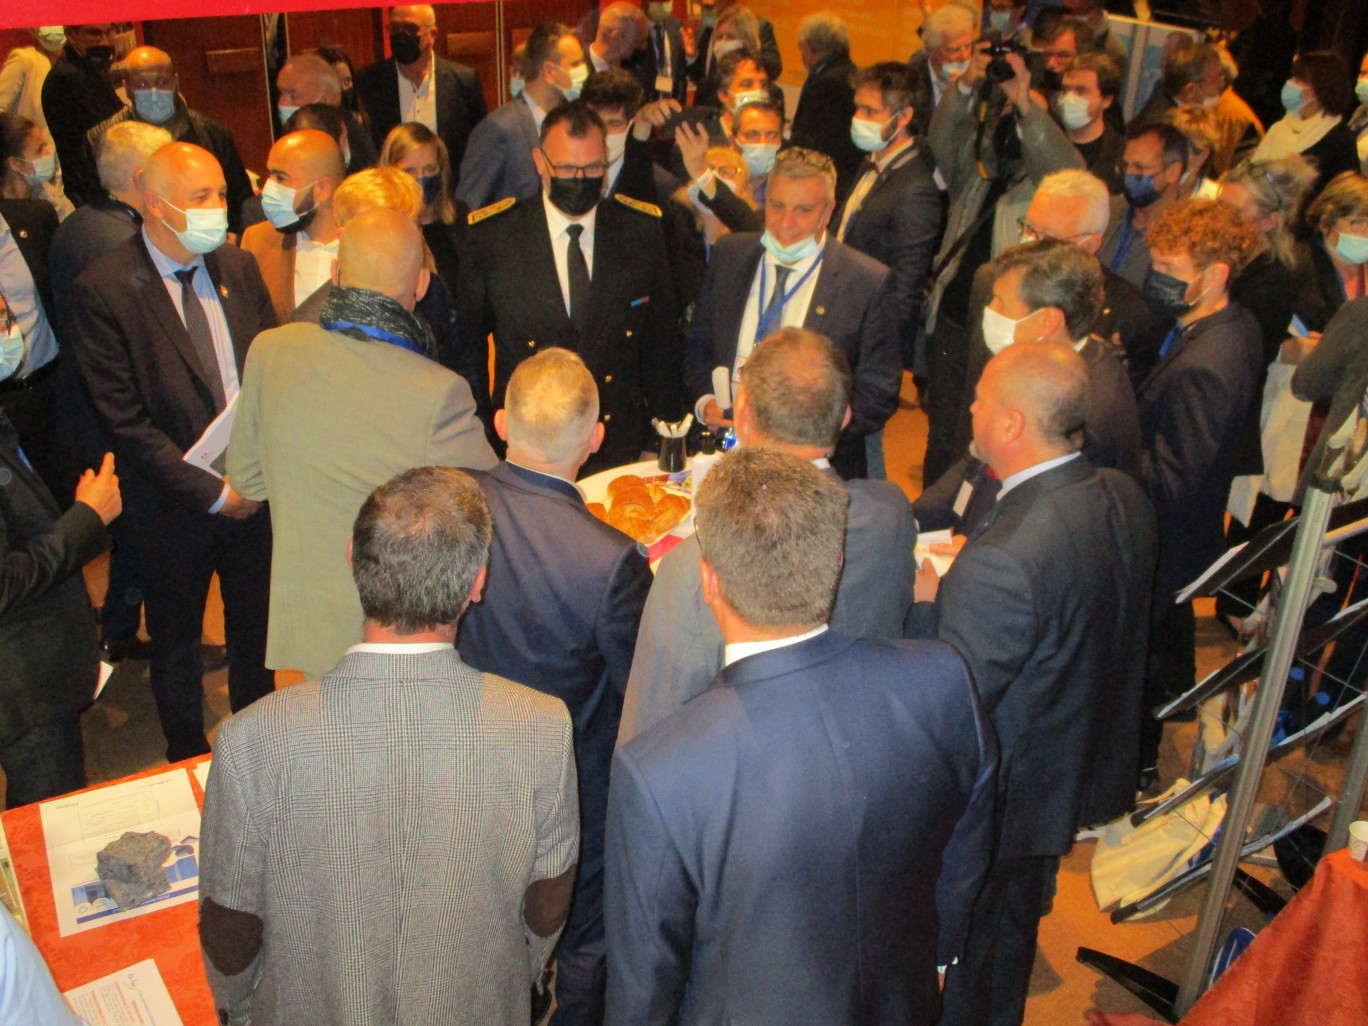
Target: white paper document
(77,827)
(106,671)
(201,772)
(925,539)
(136,995)
(207,452)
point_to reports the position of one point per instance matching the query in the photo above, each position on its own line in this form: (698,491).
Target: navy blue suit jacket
(561,606)
(498,157)
(802,842)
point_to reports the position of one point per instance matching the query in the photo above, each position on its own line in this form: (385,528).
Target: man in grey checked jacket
(396,842)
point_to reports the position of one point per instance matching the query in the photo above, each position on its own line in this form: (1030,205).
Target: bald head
(1031,405)
(145,57)
(305,157)
(421,15)
(382,251)
(308,78)
(180,170)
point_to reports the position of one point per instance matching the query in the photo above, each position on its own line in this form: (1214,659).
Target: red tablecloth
(169,935)
(1308,967)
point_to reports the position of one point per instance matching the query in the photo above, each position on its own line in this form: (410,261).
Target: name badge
(664,84)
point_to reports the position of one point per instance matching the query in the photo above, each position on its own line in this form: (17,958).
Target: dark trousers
(44,762)
(988,986)
(945,398)
(581,960)
(122,612)
(177,555)
(1170,670)
(32,409)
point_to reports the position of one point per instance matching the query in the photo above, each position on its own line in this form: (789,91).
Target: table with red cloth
(1308,967)
(169,935)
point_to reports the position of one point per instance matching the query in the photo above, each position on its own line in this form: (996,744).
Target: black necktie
(578,271)
(197,327)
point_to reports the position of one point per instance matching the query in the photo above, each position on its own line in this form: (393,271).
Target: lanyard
(768,317)
(380,333)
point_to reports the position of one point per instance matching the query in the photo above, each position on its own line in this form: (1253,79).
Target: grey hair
(1074,184)
(798,163)
(772,527)
(1278,185)
(123,150)
(944,22)
(323,74)
(417,546)
(551,404)
(824,33)
(797,386)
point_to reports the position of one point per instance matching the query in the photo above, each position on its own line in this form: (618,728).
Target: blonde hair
(1345,197)
(1201,128)
(403,140)
(551,404)
(1280,185)
(386,187)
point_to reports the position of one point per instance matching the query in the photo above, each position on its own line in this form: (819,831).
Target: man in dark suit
(827,103)
(894,212)
(77,95)
(1071,206)
(661,66)
(1056,646)
(564,269)
(417,85)
(498,160)
(802,842)
(155,99)
(1191,416)
(794,395)
(562,601)
(306,80)
(160,328)
(49,655)
(796,275)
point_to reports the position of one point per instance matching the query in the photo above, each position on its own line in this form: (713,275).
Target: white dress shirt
(419,103)
(557,222)
(741,649)
(538,115)
(869,176)
(599,63)
(1021,476)
(213,312)
(794,314)
(313,265)
(400,647)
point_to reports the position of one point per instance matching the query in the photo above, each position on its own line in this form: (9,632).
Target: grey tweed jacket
(382,824)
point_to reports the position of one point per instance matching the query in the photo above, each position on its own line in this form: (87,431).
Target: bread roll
(617,484)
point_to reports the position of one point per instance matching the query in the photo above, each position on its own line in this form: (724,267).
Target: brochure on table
(137,994)
(76,827)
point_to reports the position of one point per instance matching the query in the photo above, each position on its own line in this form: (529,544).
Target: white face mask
(515,85)
(617,145)
(11,351)
(52,38)
(1073,111)
(722,47)
(950,69)
(868,135)
(739,100)
(999,330)
(578,74)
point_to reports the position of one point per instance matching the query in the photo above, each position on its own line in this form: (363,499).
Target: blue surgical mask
(1000,21)
(43,170)
(155,106)
(868,135)
(1293,99)
(759,157)
(578,75)
(515,85)
(11,351)
(432,189)
(206,228)
(1140,190)
(1361,89)
(278,204)
(1352,249)
(800,250)
(285,113)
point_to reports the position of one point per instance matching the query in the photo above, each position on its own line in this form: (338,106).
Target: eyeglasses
(595,170)
(1026,228)
(1061,55)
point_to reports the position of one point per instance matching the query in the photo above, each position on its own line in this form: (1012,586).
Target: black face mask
(407,49)
(575,197)
(349,99)
(99,57)
(1166,294)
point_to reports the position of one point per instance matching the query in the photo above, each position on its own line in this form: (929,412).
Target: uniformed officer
(564,269)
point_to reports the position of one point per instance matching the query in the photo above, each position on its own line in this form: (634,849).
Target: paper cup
(1358,840)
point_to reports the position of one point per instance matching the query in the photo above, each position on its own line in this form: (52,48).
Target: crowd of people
(791,775)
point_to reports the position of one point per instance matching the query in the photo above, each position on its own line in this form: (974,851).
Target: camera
(998,69)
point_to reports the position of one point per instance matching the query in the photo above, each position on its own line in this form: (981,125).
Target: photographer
(993,143)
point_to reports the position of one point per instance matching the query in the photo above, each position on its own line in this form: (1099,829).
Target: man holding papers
(159,328)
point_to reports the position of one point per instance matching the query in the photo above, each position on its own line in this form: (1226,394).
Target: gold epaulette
(636,204)
(476,216)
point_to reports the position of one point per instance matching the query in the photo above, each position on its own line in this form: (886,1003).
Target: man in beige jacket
(330,411)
